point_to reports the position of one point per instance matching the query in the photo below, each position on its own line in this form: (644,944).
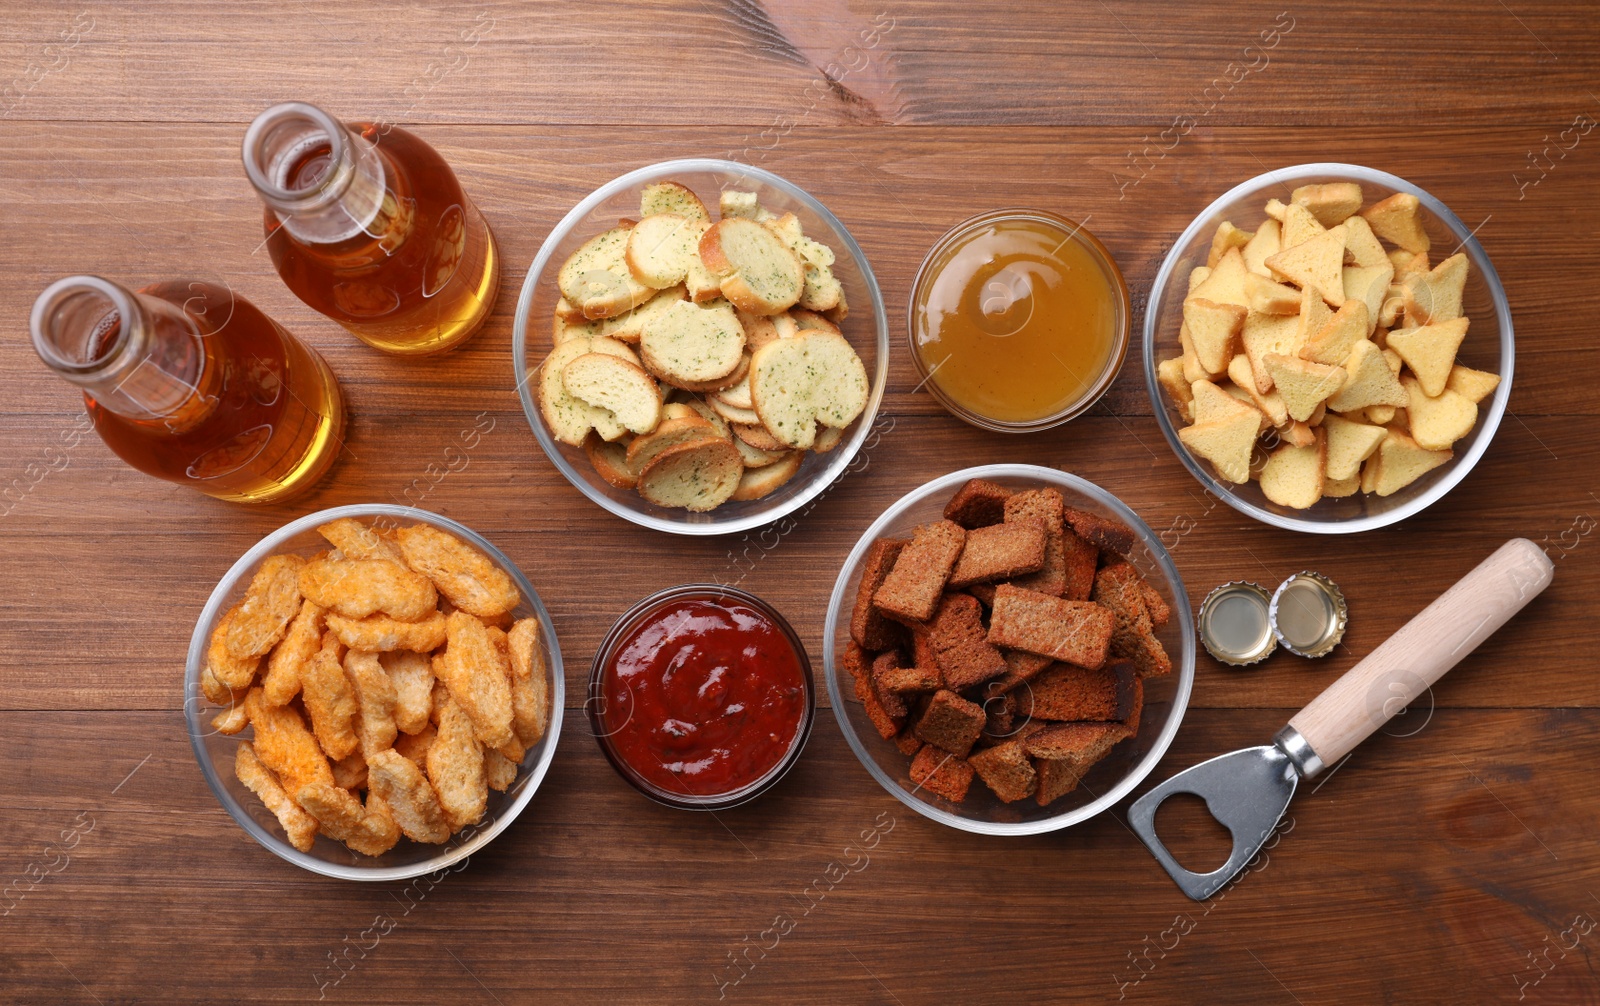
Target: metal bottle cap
(1235,624)
(1308,614)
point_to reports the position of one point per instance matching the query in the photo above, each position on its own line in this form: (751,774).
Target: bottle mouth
(277,141)
(73,318)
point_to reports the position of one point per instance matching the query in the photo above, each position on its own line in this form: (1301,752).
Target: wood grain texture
(1443,862)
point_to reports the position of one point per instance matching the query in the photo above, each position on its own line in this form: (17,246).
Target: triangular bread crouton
(1227,236)
(1241,395)
(1264,334)
(1296,434)
(1270,404)
(1381,415)
(1395,219)
(1270,297)
(1401,461)
(1268,241)
(1473,385)
(1226,443)
(1368,381)
(1293,476)
(1334,341)
(1430,351)
(1394,360)
(1334,489)
(1211,403)
(1361,246)
(1438,421)
(1349,444)
(1275,209)
(1198,275)
(1303,385)
(1329,202)
(1318,263)
(1170,374)
(1407,263)
(1314,314)
(1213,329)
(1300,225)
(1192,371)
(1435,296)
(1225,284)
(1370,285)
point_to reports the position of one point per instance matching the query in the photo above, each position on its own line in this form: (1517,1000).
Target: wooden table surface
(1452,860)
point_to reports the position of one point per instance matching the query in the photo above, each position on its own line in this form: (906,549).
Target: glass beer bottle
(368,225)
(189,382)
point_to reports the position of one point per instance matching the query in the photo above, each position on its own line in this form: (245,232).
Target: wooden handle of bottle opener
(1411,660)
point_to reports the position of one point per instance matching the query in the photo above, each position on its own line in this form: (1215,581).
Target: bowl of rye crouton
(1009,649)
(700,347)
(374,692)
(1328,348)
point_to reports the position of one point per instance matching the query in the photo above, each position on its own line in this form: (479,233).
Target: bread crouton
(999,552)
(1020,667)
(911,590)
(964,656)
(1119,588)
(884,666)
(1068,692)
(941,773)
(867,626)
(978,503)
(951,722)
(1103,532)
(897,680)
(1078,632)
(1047,507)
(1006,769)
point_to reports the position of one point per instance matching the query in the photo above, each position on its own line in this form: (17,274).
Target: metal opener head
(1247,791)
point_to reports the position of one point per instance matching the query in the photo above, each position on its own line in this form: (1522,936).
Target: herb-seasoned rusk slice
(711,387)
(719,425)
(610,461)
(563,328)
(759,329)
(755,457)
(759,273)
(570,419)
(828,438)
(1395,220)
(672,197)
(691,343)
(738,393)
(734,203)
(757,435)
(670,433)
(698,476)
(1430,351)
(615,384)
(629,326)
(758,482)
(1293,476)
(660,248)
(815,377)
(804,319)
(596,279)
(733,413)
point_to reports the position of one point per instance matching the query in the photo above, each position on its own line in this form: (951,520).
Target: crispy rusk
(527,657)
(350,772)
(415,746)
(330,701)
(455,767)
(230,721)
(216,691)
(411,673)
(530,708)
(359,541)
(412,803)
(231,672)
(466,576)
(300,827)
(343,818)
(375,700)
(499,771)
(476,672)
(284,744)
(284,667)
(271,601)
(356,588)
(380,633)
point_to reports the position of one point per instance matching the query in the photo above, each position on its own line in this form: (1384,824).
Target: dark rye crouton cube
(884,665)
(1103,532)
(922,652)
(983,592)
(964,655)
(941,773)
(1046,507)
(977,504)
(1131,721)
(867,626)
(903,680)
(908,743)
(1078,561)
(1000,712)
(1020,667)
(999,552)
(1078,632)
(1160,613)
(951,722)
(1118,587)
(1065,752)
(1005,768)
(910,592)
(1068,692)
(1055,779)
(856,662)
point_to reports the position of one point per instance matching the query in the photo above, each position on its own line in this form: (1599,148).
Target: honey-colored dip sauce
(1017,321)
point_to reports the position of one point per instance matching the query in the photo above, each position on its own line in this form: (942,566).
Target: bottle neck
(135,355)
(324,182)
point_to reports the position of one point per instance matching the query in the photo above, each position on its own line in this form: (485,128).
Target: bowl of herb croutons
(700,347)
(1009,649)
(1328,348)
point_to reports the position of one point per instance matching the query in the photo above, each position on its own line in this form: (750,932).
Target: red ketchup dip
(703,696)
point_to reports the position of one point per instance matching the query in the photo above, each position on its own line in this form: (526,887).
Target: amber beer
(191,383)
(367,224)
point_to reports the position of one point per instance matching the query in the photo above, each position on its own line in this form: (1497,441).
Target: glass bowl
(1121,323)
(1113,777)
(1488,345)
(595,705)
(215,752)
(867,328)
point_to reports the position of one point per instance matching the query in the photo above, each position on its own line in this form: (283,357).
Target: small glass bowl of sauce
(701,697)
(1019,320)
